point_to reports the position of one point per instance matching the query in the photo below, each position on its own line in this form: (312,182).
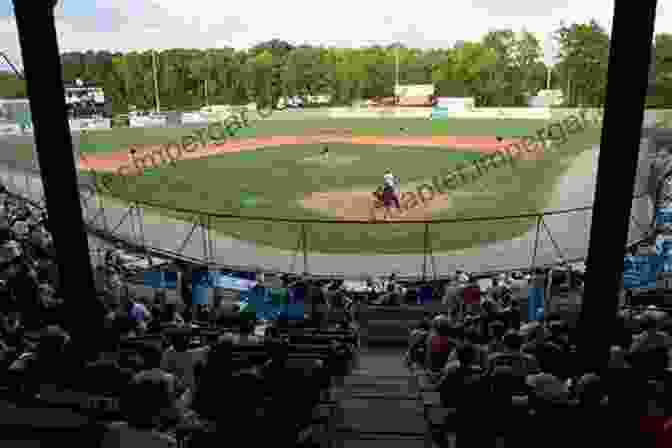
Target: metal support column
(629,57)
(536,242)
(43,72)
(304,243)
(425,251)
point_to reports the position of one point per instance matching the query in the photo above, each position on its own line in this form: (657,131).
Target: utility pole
(548,77)
(156,83)
(396,78)
(205,87)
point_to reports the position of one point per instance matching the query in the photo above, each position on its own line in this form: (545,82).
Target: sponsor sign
(649,270)
(150,121)
(455,104)
(237,284)
(414,90)
(194,118)
(90,123)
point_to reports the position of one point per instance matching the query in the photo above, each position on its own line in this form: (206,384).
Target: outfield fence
(191,235)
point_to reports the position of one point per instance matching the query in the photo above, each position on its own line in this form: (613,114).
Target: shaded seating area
(237,386)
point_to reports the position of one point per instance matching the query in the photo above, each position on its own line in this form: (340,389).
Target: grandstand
(219,351)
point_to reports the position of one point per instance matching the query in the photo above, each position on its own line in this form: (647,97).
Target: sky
(125,25)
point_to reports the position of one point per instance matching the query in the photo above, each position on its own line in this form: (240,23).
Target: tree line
(503,69)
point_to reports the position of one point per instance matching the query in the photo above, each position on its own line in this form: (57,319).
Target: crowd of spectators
(151,367)
(525,379)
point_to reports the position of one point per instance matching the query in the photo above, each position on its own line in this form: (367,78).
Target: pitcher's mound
(359,205)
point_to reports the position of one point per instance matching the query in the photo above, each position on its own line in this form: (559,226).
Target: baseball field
(277,169)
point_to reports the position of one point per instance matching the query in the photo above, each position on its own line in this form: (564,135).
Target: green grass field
(274,179)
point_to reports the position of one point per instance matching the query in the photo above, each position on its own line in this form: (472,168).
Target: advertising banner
(649,270)
(90,124)
(414,90)
(160,279)
(641,271)
(455,104)
(147,121)
(195,118)
(230,282)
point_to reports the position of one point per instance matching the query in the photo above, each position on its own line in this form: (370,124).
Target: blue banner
(272,304)
(160,279)
(663,216)
(234,283)
(202,281)
(641,271)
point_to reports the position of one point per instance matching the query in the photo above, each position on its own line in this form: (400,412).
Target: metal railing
(193,238)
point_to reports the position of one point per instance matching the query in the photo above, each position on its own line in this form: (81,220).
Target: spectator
(441,344)
(181,361)
(537,295)
(152,355)
(471,297)
(104,375)
(521,363)
(170,315)
(51,356)
(464,388)
(147,396)
(417,353)
(649,352)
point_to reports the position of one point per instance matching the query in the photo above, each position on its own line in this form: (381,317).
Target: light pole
(548,77)
(156,83)
(206,92)
(396,58)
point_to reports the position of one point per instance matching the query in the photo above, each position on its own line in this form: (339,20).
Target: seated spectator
(648,354)
(246,333)
(507,418)
(51,356)
(152,355)
(550,400)
(137,312)
(215,385)
(170,315)
(181,361)
(441,344)
(105,376)
(11,330)
(463,380)
(147,396)
(521,363)
(496,331)
(417,354)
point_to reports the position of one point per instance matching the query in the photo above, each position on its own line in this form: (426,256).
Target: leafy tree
(584,56)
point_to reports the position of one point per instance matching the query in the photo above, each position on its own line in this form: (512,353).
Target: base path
(111,161)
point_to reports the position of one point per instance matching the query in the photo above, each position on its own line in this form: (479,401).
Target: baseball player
(391,182)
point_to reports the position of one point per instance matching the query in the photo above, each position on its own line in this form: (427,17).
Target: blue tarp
(160,279)
(273,303)
(641,271)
